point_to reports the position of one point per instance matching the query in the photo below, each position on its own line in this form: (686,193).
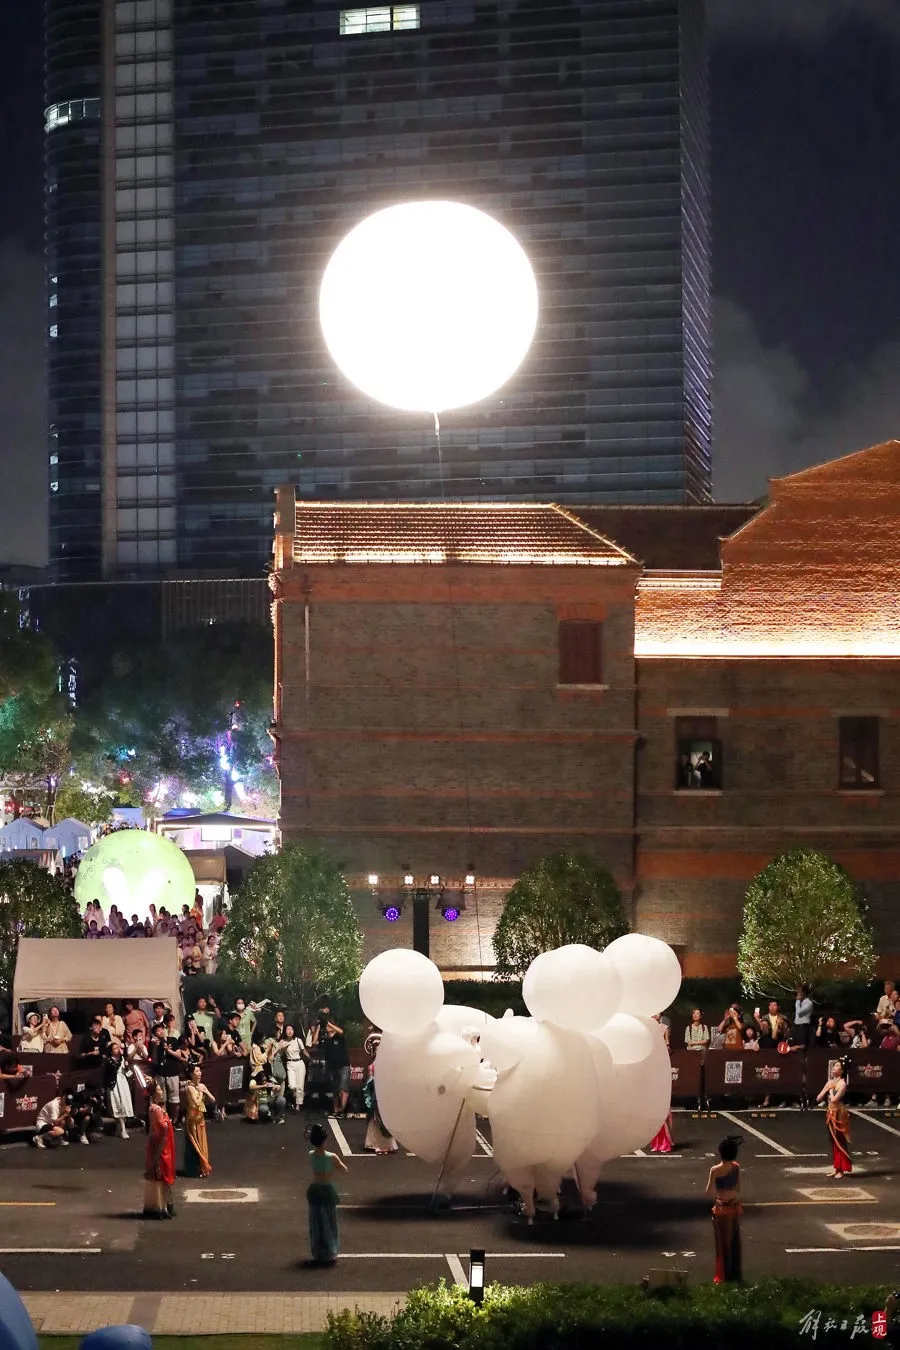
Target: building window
(580,652)
(379,19)
(858,752)
(75,110)
(698,753)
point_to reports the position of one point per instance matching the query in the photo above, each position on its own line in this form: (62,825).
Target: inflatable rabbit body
(585,1078)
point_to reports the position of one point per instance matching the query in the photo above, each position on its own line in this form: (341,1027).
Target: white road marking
(742,1124)
(841,1249)
(50,1251)
(789,1204)
(456,1270)
(341,1139)
(638,1153)
(865,1232)
(815,1171)
(443,1256)
(485,1145)
(793,1155)
(854,1111)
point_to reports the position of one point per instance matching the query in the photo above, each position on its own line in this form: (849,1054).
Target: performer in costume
(662,1141)
(837,1119)
(196,1151)
(322,1199)
(378,1137)
(159,1173)
(725,1184)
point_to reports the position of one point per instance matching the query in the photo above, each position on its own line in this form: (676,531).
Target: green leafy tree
(566,897)
(803,922)
(32,904)
(185,723)
(35,724)
(293,923)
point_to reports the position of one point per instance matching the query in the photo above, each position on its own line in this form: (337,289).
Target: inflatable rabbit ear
(16,1331)
(118,1338)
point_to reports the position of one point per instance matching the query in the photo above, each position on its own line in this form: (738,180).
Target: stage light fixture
(434,879)
(391,913)
(450,913)
(408,879)
(373,878)
(470,878)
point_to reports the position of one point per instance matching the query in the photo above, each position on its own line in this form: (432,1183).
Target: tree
(185,723)
(293,922)
(32,904)
(566,897)
(35,725)
(803,922)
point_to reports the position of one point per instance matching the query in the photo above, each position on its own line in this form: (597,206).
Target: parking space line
(51,1251)
(456,1270)
(817,1250)
(767,1139)
(854,1111)
(484,1144)
(788,1204)
(340,1138)
(27,1204)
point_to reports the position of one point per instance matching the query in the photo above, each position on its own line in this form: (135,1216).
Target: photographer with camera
(327,1038)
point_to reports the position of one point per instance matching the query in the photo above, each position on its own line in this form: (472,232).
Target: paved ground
(71,1222)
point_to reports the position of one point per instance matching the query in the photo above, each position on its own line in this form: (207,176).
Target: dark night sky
(806,205)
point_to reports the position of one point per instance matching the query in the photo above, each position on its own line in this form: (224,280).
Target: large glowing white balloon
(422,1084)
(401,991)
(649,971)
(428,305)
(133,869)
(573,987)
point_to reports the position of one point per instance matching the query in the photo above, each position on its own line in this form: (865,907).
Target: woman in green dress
(322,1199)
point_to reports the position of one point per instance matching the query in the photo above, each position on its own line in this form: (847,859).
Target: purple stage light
(392,914)
(451,914)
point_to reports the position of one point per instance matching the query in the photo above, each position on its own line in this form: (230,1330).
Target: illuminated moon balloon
(134,869)
(428,306)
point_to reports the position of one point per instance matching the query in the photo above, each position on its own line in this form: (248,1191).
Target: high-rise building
(205,156)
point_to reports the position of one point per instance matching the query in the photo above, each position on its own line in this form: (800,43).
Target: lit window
(75,110)
(698,753)
(379,19)
(54,330)
(54,300)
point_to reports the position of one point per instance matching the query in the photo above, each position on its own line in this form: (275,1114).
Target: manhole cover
(866,1232)
(245,1195)
(837,1195)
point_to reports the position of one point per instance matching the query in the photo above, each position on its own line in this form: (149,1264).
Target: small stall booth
(80,977)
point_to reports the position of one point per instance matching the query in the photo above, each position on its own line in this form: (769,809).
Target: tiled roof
(669,538)
(521,533)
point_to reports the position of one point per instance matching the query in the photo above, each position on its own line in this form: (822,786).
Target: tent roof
(216,818)
(208,865)
(15,828)
(73,968)
(70,823)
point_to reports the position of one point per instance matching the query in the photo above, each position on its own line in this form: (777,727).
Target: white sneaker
(38,1142)
(84,1139)
(64,1143)
(123,1134)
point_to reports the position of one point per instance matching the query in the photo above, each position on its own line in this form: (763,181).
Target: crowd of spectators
(198,949)
(770,1028)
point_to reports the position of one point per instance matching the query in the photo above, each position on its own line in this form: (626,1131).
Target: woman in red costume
(159,1172)
(837,1120)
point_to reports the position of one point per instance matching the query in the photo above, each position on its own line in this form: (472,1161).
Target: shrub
(582,1317)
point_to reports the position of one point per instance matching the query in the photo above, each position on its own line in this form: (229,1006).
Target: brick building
(683,692)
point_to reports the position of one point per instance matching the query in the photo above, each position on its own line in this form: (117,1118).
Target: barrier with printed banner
(754,1075)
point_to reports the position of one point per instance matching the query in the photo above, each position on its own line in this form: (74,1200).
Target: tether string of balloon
(458,683)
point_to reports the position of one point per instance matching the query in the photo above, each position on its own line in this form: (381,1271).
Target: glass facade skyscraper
(236,141)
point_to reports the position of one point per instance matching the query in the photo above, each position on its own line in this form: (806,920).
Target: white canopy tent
(20,834)
(64,968)
(69,836)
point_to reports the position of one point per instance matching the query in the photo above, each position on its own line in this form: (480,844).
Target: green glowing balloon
(134,869)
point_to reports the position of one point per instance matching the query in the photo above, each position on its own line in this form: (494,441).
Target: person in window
(705,772)
(696,1033)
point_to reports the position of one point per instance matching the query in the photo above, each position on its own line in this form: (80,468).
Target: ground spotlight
(476,1276)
